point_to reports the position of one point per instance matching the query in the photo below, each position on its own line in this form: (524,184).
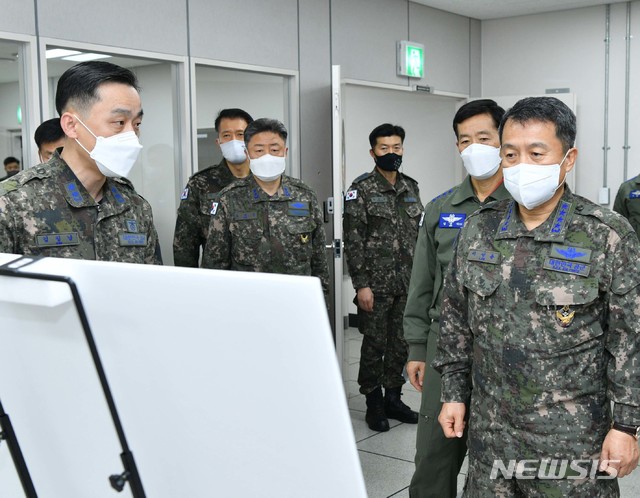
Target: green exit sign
(410,59)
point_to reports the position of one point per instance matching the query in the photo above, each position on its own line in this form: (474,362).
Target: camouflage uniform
(438,459)
(627,202)
(380,230)
(547,324)
(194,212)
(283,233)
(46,211)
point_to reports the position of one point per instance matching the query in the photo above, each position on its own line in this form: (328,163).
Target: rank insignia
(565,316)
(304,238)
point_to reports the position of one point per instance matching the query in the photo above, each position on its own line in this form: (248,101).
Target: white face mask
(481,161)
(234,151)
(532,184)
(267,168)
(114,155)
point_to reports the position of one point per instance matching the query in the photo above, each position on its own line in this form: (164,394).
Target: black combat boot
(396,409)
(375,417)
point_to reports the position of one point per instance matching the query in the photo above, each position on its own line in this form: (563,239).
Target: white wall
(430,155)
(527,55)
(9,100)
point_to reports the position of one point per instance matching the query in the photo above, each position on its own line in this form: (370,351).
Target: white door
(338,189)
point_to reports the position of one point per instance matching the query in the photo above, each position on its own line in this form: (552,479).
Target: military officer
(194,212)
(267,222)
(381,215)
(540,325)
(80,204)
(627,202)
(438,459)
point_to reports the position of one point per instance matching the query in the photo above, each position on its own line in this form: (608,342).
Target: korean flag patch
(214,208)
(351,195)
(185,194)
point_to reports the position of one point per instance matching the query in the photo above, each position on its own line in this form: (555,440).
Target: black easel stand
(16,454)
(130,473)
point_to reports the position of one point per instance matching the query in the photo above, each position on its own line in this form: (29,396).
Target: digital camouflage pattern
(284,233)
(547,323)
(380,229)
(46,211)
(380,226)
(438,459)
(627,202)
(194,212)
(378,325)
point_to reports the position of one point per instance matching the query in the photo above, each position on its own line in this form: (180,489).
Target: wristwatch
(632,430)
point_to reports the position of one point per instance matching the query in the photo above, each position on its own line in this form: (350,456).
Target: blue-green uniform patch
(491,257)
(562,266)
(132,239)
(58,239)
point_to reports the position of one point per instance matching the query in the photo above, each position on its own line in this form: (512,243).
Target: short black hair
(385,130)
(545,110)
(232,113)
(10,160)
(49,131)
(78,85)
(475,108)
(262,125)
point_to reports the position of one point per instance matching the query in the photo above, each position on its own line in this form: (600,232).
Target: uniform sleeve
(416,320)
(217,250)
(7,228)
(623,335)
(186,238)
(455,343)
(319,263)
(355,234)
(619,205)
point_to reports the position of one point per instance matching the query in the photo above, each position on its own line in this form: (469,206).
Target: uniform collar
(258,195)
(554,229)
(465,192)
(385,186)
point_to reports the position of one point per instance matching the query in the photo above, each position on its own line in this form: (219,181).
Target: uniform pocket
(245,242)
(301,236)
(482,281)
(567,316)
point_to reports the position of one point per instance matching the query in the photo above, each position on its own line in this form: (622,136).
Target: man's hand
(619,455)
(365,299)
(451,419)
(415,371)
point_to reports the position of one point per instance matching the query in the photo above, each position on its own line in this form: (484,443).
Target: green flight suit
(438,459)
(627,202)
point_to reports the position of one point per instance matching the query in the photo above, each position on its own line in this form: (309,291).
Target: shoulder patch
(634,194)
(351,195)
(185,194)
(8,186)
(363,176)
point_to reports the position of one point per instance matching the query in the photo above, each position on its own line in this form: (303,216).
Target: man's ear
(69,122)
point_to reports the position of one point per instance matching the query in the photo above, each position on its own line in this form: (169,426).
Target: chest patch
(491,257)
(572,267)
(452,220)
(132,239)
(58,239)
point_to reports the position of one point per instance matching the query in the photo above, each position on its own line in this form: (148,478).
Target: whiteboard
(226,383)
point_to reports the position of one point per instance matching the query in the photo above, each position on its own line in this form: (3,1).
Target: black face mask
(389,162)
(12,173)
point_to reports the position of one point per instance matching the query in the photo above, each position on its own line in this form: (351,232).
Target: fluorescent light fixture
(86,57)
(56,53)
